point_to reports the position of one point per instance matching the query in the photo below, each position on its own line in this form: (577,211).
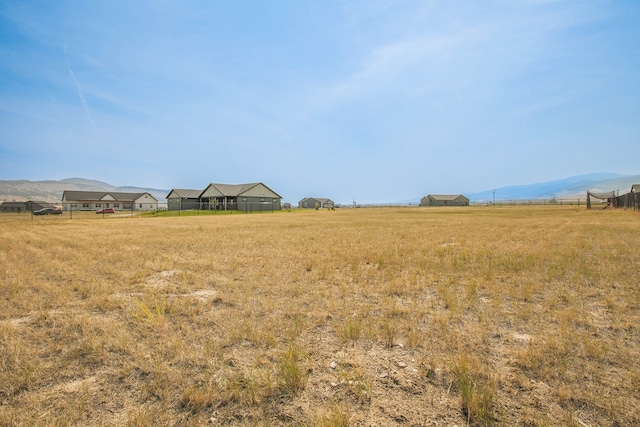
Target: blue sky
(376,100)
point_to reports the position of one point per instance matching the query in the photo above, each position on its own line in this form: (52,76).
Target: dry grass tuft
(476,390)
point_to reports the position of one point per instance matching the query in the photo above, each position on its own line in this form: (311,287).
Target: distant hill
(51,191)
(568,188)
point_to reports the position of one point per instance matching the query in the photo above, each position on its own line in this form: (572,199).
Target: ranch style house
(28,206)
(444,200)
(95,200)
(241,197)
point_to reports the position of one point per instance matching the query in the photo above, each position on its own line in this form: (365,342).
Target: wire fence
(626,201)
(498,203)
(227,208)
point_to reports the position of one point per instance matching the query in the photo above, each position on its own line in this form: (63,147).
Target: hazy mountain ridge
(51,191)
(568,188)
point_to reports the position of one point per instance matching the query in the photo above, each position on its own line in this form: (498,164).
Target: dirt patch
(80,385)
(162,278)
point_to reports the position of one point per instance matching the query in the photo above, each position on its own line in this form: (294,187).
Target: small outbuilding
(182,199)
(316,203)
(444,200)
(33,206)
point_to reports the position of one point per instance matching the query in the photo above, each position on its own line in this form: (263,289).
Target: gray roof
(13,204)
(30,204)
(39,203)
(445,196)
(320,199)
(234,190)
(98,195)
(184,193)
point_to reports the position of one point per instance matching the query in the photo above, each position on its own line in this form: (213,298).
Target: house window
(98,205)
(116,205)
(244,199)
(140,205)
(275,200)
(262,200)
(85,205)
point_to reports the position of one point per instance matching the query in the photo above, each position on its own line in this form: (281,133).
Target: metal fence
(71,209)
(229,208)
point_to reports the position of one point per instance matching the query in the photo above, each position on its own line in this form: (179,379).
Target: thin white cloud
(85,106)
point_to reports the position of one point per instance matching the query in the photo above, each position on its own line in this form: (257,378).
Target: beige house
(444,200)
(95,200)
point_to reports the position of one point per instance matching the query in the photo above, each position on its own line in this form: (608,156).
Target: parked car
(106,210)
(47,211)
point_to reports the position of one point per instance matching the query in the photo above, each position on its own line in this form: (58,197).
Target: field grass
(515,316)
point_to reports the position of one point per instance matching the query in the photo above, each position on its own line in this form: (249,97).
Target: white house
(94,200)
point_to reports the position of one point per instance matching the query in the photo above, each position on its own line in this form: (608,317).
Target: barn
(316,203)
(444,200)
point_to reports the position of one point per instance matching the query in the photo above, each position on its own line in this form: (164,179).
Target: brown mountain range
(51,191)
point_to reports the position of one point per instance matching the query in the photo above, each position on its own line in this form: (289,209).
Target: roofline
(250,184)
(135,196)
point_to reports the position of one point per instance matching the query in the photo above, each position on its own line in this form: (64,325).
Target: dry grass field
(519,316)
